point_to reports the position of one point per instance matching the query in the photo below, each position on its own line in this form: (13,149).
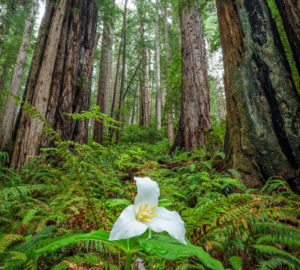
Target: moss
(284,39)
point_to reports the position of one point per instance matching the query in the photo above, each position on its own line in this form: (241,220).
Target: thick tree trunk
(59,79)
(263,109)
(290,13)
(158,79)
(105,74)
(15,84)
(195,118)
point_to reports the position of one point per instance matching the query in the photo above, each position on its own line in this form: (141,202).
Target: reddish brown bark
(105,73)
(195,119)
(58,81)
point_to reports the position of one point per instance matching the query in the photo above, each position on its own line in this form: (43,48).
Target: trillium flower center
(144,213)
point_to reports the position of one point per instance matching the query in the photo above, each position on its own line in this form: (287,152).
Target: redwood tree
(58,80)
(144,116)
(168,59)
(263,109)
(105,73)
(10,108)
(195,119)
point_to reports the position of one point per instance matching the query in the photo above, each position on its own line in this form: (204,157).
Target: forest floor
(73,189)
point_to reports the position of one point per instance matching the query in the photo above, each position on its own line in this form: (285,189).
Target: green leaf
(236,262)
(128,245)
(235,173)
(164,203)
(207,164)
(119,202)
(170,249)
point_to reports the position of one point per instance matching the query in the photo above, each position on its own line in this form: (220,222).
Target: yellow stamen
(144,214)
(139,210)
(146,206)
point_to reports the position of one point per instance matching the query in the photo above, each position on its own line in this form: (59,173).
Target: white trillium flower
(145,213)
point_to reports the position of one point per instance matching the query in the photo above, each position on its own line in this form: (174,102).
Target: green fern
(276,252)
(275,263)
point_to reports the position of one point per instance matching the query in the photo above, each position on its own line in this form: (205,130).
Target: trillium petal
(147,192)
(168,221)
(127,226)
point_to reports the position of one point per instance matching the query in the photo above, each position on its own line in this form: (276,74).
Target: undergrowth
(72,189)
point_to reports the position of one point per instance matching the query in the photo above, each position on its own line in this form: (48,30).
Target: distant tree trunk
(119,115)
(195,119)
(105,74)
(144,99)
(168,58)
(158,85)
(59,78)
(290,14)
(115,90)
(134,104)
(263,109)
(10,108)
(149,85)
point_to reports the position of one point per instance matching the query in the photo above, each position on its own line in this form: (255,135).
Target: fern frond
(24,190)
(274,263)
(291,241)
(265,249)
(8,239)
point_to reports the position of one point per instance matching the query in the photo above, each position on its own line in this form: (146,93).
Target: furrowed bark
(59,79)
(15,84)
(263,109)
(105,75)
(195,118)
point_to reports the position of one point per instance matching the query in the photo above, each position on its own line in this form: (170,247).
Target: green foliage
(173,96)
(71,186)
(236,262)
(170,249)
(135,134)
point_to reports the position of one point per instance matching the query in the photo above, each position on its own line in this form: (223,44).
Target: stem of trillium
(149,235)
(128,261)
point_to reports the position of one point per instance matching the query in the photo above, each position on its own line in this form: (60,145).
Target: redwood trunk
(144,99)
(57,82)
(290,13)
(168,58)
(158,84)
(195,119)
(15,84)
(119,115)
(105,74)
(263,109)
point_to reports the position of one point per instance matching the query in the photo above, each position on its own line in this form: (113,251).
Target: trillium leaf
(128,245)
(170,249)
